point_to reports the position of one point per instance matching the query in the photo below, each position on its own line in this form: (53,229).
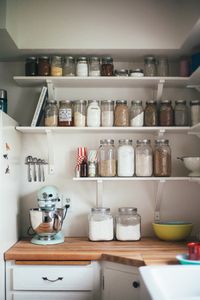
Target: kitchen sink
(175,282)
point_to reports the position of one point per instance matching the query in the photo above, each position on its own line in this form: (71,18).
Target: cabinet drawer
(52,296)
(53,278)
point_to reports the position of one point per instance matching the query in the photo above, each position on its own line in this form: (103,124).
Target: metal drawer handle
(59,278)
(136,284)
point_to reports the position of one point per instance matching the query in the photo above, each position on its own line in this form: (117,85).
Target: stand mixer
(46,220)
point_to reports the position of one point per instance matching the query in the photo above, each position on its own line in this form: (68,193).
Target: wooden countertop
(144,252)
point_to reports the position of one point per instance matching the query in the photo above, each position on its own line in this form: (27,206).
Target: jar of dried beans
(151,114)
(121,113)
(162,158)
(107,158)
(166,113)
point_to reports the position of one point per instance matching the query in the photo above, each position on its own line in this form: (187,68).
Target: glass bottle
(80,113)
(94,66)
(162,158)
(136,114)
(51,113)
(56,66)
(82,67)
(107,158)
(65,113)
(125,158)
(121,113)
(195,112)
(69,66)
(93,114)
(166,113)
(43,66)
(107,113)
(150,68)
(151,114)
(100,224)
(31,66)
(128,224)
(107,68)
(163,67)
(143,158)
(181,113)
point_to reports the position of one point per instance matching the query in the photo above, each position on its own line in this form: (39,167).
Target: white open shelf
(162,179)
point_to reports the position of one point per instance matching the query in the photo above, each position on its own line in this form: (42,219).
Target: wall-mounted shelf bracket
(99,193)
(50,150)
(51,89)
(194,86)
(195,130)
(158,199)
(161,132)
(160,89)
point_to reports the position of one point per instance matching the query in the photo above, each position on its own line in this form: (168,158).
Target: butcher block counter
(147,251)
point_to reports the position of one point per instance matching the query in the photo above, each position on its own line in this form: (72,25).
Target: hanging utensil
(29,161)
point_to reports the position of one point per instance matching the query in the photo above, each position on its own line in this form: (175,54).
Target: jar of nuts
(162,158)
(121,113)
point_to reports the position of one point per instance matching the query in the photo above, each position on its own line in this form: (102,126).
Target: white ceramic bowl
(192,164)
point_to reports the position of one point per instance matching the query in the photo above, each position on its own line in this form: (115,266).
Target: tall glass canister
(162,158)
(125,158)
(107,158)
(80,113)
(143,158)
(107,113)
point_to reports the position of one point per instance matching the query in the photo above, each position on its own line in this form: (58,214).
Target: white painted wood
(162,179)
(51,296)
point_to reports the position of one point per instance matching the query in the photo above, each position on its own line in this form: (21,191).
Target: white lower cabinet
(120,282)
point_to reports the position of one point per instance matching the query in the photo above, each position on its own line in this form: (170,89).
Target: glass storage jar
(150,68)
(93,114)
(82,67)
(151,114)
(166,113)
(94,66)
(128,224)
(143,158)
(31,66)
(163,66)
(181,113)
(162,158)
(121,113)
(136,114)
(56,66)
(107,68)
(69,66)
(195,112)
(51,113)
(107,113)
(80,113)
(107,158)
(43,66)
(65,113)
(100,224)
(125,158)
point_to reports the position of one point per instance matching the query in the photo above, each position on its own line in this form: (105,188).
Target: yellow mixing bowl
(172,231)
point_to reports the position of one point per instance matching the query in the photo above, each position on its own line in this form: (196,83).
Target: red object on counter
(194,251)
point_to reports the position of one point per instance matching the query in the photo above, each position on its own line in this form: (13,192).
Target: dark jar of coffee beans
(31,66)
(107,68)
(44,66)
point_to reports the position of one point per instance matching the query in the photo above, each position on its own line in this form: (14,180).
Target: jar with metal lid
(93,114)
(166,113)
(136,114)
(162,158)
(31,66)
(101,224)
(195,112)
(125,158)
(51,113)
(107,113)
(121,113)
(82,67)
(94,66)
(56,66)
(107,68)
(143,158)
(136,73)
(3,100)
(69,66)
(65,113)
(43,66)
(181,113)
(128,224)
(151,114)
(121,73)
(163,66)
(80,113)
(107,158)
(150,68)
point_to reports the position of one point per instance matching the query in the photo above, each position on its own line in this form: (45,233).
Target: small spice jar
(94,66)
(125,158)
(143,158)
(93,114)
(82,67)
(136,114)
(107,113)
(56,66)
(43,66)
(136,73)
(166,113)
(69,66)
(121,114)
(128,224)
(162,158)
(65,113)
(51,113)
(195,112)
(107,68)
(101,224)
(31,66)
(150,68)
(181,113)
(80,113)
(121,73)
(151,114)
(107,158)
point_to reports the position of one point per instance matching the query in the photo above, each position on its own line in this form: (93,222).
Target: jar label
(65,115)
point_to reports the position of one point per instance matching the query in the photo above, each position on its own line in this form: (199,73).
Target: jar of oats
(121,113)
(107,158)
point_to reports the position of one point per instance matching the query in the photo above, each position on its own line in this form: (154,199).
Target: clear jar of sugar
(125,158)
(100,224)
(128,224)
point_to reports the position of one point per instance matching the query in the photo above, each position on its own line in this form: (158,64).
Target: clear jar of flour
(128,224)
(100,224)
(125,158)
